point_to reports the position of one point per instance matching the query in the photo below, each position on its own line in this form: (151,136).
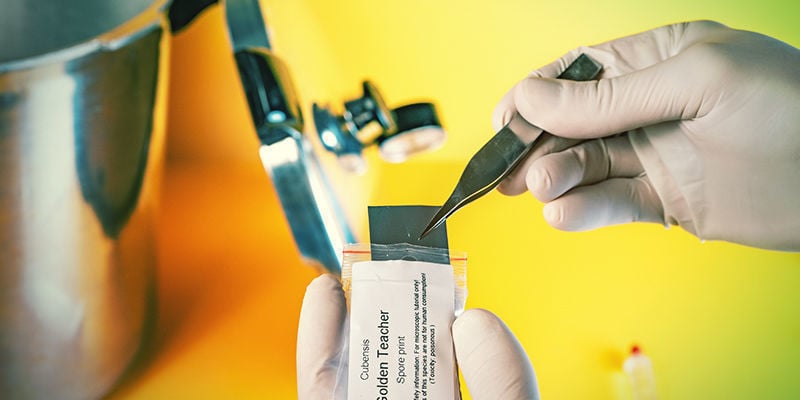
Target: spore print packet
(402,300)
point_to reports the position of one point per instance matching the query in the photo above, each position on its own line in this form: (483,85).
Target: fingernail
(327,281)
(539,182)
(507,115)
(534,179)
(552,213)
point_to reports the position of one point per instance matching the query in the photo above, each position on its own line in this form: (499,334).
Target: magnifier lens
(418,130)
(403,145)
(353,163)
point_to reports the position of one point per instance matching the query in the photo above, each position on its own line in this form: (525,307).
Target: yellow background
(719,321)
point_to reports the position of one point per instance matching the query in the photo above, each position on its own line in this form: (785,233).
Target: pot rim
(153,17)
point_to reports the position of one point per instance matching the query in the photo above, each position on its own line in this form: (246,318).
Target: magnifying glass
(399,133)
(418,130)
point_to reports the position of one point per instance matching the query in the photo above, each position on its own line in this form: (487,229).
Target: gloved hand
(693,124)
(492,361)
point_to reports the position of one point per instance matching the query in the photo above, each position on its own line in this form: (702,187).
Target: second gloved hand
(693,124)
(492,361)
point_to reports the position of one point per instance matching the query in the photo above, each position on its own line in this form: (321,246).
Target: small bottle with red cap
(640,372)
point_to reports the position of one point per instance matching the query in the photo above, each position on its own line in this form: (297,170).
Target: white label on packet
(401,313)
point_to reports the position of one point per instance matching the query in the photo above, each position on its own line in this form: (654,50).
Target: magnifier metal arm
(398,133)
(315,216)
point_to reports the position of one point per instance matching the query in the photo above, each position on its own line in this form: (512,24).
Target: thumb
(493,362)
(673,89)
(320,338)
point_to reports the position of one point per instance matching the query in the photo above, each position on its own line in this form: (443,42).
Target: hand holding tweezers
(504,151)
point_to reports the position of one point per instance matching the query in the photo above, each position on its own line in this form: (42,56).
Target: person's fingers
(320,338)
(635,90)
(585,164)
(506,107)
(618,57)
(610,202)
(514,184)
(504,110)
(660,93)
(638,51)
(558,66)
(492,361)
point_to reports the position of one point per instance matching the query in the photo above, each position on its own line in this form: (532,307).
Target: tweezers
(503,152)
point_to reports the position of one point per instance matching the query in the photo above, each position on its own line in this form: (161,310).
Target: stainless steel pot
(81,116)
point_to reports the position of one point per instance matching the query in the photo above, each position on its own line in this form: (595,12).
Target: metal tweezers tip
(431,226)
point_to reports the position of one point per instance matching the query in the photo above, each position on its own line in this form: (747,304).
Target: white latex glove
(492,361)
(693,124)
